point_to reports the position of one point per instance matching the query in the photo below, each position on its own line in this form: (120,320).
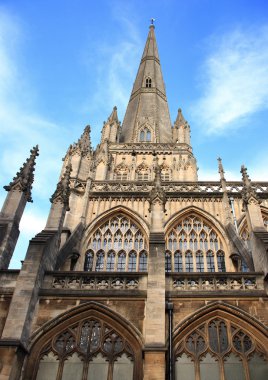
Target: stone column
(155,332)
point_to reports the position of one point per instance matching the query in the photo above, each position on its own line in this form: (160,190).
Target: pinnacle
(221,170)
(245,176)
(62,192)
(24,178)
(180,119)
(113,116)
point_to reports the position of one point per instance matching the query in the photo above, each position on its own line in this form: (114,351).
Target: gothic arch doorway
(219,345)
(92,343)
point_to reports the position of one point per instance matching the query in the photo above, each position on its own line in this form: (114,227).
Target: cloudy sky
(65,64)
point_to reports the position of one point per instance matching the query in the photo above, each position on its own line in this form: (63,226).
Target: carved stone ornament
(24,178)
(157,194)
(62,192)
(248,193)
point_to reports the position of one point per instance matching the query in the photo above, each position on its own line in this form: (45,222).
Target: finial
(221,170)
(152,22)
(245,176)
(24,178)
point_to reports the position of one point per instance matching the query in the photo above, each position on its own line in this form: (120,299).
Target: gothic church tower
(142,272)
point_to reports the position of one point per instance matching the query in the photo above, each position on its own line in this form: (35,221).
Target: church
(142,271)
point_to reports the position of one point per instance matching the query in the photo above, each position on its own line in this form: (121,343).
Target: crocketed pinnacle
(148,107)
(62,192)
(180,119)
(221,170)
(113,117)
(25,176)
(248,192)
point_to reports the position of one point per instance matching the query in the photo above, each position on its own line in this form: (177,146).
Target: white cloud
(234,79)
(115,75)
(32,223)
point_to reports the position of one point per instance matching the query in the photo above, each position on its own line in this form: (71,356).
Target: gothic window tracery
(221,349)
(143,172)
(117,245)
(194,246)
(122,171)
(90,349)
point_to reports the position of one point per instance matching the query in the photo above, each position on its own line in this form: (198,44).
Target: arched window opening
(90,349)
(194,235)
(189,264)
(132,262)
(148,82)
(145,135)
(178,265)
(100,261)
(121,263)
(221,350)
(110,261)
(89,257)
(199,262)
(117,238)
(221,261)
(168,263)
(210,262)
(143,262)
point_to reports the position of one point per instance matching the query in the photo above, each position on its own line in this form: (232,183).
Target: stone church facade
(142,271)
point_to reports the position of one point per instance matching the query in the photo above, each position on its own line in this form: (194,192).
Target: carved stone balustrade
(176,188)
(215,283)
(95,283)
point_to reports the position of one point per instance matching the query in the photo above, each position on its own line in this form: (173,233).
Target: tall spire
(148,107)
(24,178)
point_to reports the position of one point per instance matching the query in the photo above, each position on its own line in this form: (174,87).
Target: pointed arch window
(110,261)
(148,82)
(89,349)
(221,349)
(168,264)
(145,135)
(121,262)
(132,261)
(117,239)
(89,257)
(189,265)
(178,266)
(221,261)
(200,245)
(143,262)
(100,261)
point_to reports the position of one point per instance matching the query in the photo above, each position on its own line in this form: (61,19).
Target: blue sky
(65,64)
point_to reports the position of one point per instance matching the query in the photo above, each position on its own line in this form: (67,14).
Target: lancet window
(148,82)
(194,246)
(117,245)
(220,350)
(145,135)
(88,350)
